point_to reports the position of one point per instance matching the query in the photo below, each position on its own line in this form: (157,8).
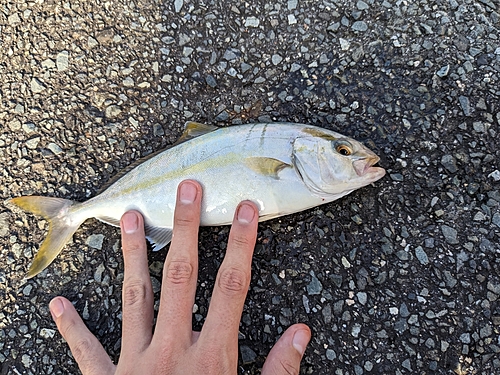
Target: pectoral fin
(269,167)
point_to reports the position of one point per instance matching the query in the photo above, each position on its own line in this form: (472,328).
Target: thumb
(86,349)
(286,354)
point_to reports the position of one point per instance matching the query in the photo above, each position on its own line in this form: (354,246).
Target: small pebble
(450,234)
(361,5)
(359,26)
(56,150)
(178,5)
(465,104)
(210,80)
(47,333)
(37,86)
(449,163)
(330,354)
(362,297)
(276,59)
(62,61)
(113,111)
(98,272)
(247,354)
(14,125)
(443,72)
(252,22)
(421,255)
(315,286)
(92,43)
(95,241)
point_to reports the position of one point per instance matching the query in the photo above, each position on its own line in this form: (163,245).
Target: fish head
(334,165)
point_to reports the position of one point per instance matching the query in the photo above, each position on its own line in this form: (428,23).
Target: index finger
(233,280)
(137,294)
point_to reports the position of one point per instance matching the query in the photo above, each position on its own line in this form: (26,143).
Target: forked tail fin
(61,227)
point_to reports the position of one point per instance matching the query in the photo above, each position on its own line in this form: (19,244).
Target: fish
(282,167)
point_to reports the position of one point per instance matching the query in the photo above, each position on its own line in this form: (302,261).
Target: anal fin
(158,236)
(109,220)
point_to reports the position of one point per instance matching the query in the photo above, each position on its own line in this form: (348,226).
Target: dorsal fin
(195,129)
(191,130)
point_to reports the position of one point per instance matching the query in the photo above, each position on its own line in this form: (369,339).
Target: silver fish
(282,167)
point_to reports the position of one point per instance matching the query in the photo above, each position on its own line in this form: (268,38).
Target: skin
(174,348)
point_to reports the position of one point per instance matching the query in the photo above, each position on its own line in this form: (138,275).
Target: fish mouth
(365,168)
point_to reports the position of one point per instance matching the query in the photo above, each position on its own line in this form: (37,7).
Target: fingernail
(56,307)
(246,213)
(300,341)
(187,193)
(130,222)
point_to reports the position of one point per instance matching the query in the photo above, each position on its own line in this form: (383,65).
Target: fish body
(283,168)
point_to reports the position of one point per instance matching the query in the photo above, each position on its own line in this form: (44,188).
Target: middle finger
(180,272)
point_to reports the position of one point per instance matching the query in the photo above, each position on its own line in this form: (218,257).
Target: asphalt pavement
(400,277)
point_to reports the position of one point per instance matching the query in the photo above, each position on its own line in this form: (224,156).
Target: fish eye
(343,150)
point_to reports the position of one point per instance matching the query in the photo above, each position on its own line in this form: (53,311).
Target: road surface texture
(401,277)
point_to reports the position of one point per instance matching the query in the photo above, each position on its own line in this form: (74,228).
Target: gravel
(400,277)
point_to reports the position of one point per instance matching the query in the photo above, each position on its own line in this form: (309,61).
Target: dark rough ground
(398,278)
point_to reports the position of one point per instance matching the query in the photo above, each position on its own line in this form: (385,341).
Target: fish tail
(61,227)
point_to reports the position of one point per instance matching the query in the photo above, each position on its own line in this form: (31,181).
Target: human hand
(174,348)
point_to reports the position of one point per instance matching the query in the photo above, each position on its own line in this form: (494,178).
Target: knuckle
(179,272)
(233,280)
(184,220)
(82,349)
(68,329)
(134,292)
(215,360)
(289,368)
(240,241)
(210,362)
(133,248)
(163,366)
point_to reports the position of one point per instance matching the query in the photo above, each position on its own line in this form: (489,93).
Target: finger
(137,294)
(180,272)
(286,354)
(86,349)
(233,279)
